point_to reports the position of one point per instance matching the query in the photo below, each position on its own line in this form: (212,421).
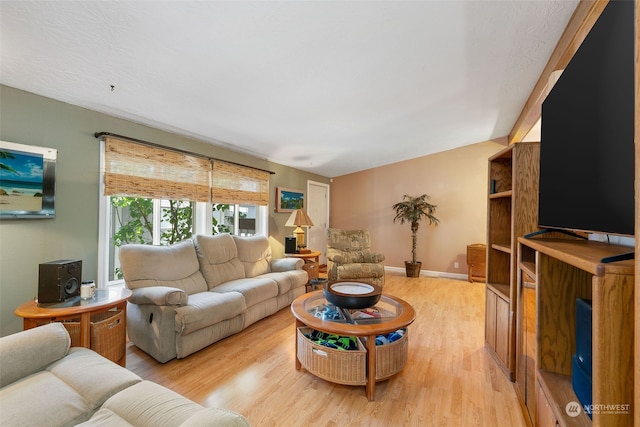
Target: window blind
(139,170)
(233,183)
(142,170)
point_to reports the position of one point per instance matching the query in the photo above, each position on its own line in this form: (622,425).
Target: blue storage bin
(582,384)
(583,334)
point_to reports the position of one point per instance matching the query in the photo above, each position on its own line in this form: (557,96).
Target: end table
(311,262)
(79,310)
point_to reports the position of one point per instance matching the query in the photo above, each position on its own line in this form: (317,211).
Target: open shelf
(502,248)
(501,194)
(559,392)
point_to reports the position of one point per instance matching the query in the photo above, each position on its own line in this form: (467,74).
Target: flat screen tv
(587,148)
(27,181)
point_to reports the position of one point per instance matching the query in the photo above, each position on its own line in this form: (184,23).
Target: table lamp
(299,219)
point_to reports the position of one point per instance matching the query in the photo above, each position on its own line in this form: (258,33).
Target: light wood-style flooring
(449,379)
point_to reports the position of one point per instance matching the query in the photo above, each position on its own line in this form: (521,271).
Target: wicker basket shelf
(338,366)
(350,367)
(391,358)
(108,334)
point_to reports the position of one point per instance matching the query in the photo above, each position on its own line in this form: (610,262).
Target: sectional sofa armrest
(159,295)
(286,264)
(30,351)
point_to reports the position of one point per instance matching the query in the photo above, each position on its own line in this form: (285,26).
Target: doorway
(318,211)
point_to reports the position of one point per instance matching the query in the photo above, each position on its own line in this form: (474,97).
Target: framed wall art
(288,199)
(27,181)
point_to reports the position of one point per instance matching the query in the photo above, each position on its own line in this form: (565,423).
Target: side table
(311,262)
(476,261)
(79,312)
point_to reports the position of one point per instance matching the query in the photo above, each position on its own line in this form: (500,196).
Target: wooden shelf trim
(584,254)
(502,248)
(501,290)
(501,194)
(529,268)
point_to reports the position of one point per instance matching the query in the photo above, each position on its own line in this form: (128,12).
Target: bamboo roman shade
(141,170)
(238,184)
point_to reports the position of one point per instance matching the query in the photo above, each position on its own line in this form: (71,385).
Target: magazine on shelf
(328,312)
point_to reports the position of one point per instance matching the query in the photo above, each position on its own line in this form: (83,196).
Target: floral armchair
(349,257)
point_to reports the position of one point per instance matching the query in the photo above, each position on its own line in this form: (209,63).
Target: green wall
(35,120)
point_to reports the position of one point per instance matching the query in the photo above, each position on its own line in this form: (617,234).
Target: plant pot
(413,270)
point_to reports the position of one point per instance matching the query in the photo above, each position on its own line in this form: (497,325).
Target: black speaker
(290,245)
(59,280)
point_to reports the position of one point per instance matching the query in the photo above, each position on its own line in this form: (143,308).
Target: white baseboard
(427,273)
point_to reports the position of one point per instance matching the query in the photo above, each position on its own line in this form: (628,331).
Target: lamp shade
(299,218)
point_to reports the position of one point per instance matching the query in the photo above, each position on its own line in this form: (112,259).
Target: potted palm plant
(413,210)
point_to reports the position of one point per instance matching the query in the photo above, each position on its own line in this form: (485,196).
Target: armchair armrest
(373,258)
(159,295)
(286,264)
(338,259)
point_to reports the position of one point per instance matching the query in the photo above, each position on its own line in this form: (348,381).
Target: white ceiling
(330,87)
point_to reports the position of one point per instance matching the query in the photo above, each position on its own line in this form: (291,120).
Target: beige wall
(30,119)
(456,180)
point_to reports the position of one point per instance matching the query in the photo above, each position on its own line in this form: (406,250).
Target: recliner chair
(349,257)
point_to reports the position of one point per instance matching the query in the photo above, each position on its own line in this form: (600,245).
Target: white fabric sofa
(44,382)
(189,295)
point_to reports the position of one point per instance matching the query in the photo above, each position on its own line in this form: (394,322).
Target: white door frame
(318,210)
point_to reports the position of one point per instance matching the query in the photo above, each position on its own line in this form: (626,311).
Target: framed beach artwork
(288,199)
(27,181)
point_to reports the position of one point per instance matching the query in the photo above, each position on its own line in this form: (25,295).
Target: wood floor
(449,379)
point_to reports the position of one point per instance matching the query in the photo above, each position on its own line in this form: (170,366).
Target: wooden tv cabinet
(565,270)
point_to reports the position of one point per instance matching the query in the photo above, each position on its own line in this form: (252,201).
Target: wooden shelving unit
(512,211)
(564,270)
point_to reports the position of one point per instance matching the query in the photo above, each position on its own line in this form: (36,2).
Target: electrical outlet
(456,265)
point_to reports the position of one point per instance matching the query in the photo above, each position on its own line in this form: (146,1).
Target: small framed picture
(288,199)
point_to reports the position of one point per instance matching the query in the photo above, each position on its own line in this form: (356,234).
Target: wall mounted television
(587,153)
(27,181)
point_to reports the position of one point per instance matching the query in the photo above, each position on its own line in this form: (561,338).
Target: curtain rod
(178,150)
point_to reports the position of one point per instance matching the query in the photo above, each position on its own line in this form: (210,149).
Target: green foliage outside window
(180,216)
(133,220)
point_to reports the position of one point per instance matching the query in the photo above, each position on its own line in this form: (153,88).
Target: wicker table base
(365,366)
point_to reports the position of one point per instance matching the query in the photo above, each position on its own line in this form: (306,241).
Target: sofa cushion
(287,280)
(65,393)
(100,378)
(208,308)
(174,266)
(42,399)
(254,290)
(147,404)
(218,258)
(255,254)
(30,351)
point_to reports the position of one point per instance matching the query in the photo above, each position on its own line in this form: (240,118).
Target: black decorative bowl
(354,295)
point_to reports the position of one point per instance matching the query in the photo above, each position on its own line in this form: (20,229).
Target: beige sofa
(199,291)
(44,382)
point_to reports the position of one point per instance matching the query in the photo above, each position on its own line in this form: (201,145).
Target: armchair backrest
(349,257)
(348,240)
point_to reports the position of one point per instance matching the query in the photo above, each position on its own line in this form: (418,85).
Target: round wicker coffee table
(365,366)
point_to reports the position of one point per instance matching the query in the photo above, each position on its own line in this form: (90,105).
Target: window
(155,196)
